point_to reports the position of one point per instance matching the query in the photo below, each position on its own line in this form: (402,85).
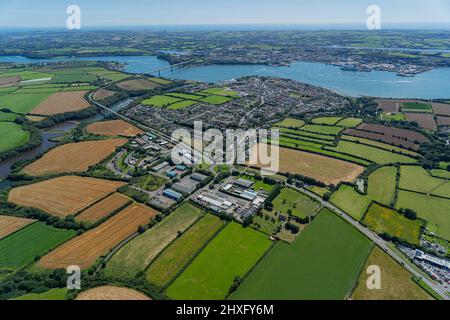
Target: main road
(377,240)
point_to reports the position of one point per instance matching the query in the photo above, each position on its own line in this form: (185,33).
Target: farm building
(172,194)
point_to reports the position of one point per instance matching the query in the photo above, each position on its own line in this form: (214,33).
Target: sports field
(382,185)
(350,201)
(16,136)
(178,255)
(20,248)
(384,220)
(63,196)
(436,211)
(85,249)
(74,157)
(396,282)
(370,153)
(230,254)
(136,255)
(415,178)
(313,267)
(299,204)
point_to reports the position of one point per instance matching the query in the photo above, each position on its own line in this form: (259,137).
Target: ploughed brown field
(63,196)
(443,121)
(74,157)
(442,109)
(424,120)
(409,135)
(10,225)
(325,169)
(62,102)
(103,208)
(113,128)
(9,82)
(112,293)
(102,94)
(85,249)
(388,105)
(137,84)
(383,138)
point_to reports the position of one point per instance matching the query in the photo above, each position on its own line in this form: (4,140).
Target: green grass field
(315,266)
(181,104)
(233,252)
(160,101)
(137,254)
(415,178)
(51,295)
(259,184)
(178,255)
(393,117)
(26,75)
(6,116)
(382,185)
(444,174)
(381,220)
(350,122)
(301,205)
(327,120)
(291,123)
(350,201)
(308,134)
(15,136)
(149,183)
(22,102)
(216,100)
(370,153)
(185,96)
(20,248)
(160,81)
(326,130)
(396,282)
(416,107)
(380,145)
(436,211)
(220,92)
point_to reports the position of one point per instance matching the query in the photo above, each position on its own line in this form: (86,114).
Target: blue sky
(52,13)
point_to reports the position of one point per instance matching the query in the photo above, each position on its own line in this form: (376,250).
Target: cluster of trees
(435,151)
(409,213)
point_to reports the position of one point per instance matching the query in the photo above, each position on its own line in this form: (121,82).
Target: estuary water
(429,85)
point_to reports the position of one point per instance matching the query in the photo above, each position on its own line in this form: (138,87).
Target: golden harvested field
(62,102)
(321,168)
(73,157)
(84,250)
(63,196)
(9,82)
(113,128)
(103,208)
(35,118)
(102,94)
(137,84)
(112,293)
(10,225)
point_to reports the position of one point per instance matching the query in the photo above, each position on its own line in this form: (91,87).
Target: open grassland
(382,185)
(370,153)
(149,182)
(178,255)
(327,130)
(415,178)
(63,196)
(22,102)
(136,255)
(72,76)
(436,211)
(220,92)
(233,252)
(113,128)
(74,157)
(10,225)
(112,293)
(22,247)
(26,74)
(443,174)
(381,145)
(299,204)
(8,116)
(326,120)
(350,201)
(51,295)
(103,208)
(137,84)
(62,102)
(384,220)
(321,168)
(13,136)
(160,101)
(216,100)
(313,267)
(396,283)
(349,122)
(85,249)
(160,81)
(291,123)
(181,105)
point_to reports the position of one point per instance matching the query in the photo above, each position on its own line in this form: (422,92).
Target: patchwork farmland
(9,225)
(113,128)
(111,293)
